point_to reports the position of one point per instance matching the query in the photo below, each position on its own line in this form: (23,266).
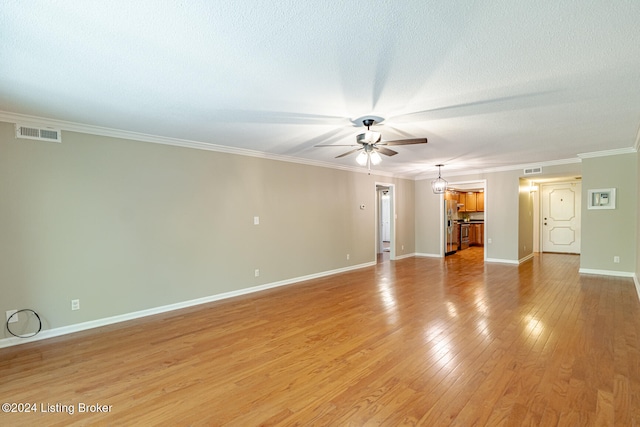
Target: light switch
(256,220)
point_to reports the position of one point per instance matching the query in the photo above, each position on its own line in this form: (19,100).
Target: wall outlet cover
(14,319)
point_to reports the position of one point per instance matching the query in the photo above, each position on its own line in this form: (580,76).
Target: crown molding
(501,168)
(63,125)
(577,159)
(24,119)
(629,150)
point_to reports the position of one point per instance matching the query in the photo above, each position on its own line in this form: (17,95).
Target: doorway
(469,218)
(385,222)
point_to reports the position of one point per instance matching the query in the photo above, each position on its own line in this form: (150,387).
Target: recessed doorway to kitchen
(464,218)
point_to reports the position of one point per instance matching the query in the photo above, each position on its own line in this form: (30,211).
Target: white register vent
(533,171)
(39,133)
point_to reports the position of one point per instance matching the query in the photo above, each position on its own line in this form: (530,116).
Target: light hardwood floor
(417,341)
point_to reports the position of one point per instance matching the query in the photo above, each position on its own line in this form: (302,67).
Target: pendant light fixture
(439,185)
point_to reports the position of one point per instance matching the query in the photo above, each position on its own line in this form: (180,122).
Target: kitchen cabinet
(470,200)
(476,235)
(473,202)
(451,195)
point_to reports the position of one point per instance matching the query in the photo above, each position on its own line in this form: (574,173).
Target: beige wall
(405,209)
(609,233)
(427,219)
(126,226)
(637,270)
(501,216)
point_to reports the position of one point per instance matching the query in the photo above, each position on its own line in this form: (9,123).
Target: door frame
(379,187)
(382,230)
(472,184)
(540,207)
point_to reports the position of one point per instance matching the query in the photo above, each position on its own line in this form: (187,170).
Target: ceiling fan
(371,145)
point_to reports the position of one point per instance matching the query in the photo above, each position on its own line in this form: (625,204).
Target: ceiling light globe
(369,137)
(362,158)
(375,158)
(375,137)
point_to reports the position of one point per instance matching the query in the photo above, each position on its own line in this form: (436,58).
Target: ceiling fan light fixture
(362,158)
(369,137)
(439,185)
(374,136)
(369,152)
(375,158)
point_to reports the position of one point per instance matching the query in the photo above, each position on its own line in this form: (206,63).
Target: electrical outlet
(256,273)
(75,304)
(14,319)
(256,220)
(489,240)
(616,259)
(348,256)
(402,247)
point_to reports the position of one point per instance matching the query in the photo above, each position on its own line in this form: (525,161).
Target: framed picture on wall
(602,198)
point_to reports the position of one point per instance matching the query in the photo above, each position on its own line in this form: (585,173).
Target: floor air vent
(533,171)
(39,133)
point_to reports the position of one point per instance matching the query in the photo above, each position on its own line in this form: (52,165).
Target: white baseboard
(606,272)
(502,261)
(526,258)
(405,256)
(635,280)
(64,330)
(428,255)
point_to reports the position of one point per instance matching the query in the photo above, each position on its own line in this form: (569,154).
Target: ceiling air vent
(39,133)
(533,171)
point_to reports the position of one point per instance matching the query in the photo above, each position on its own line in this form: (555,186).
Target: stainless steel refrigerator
(450,230)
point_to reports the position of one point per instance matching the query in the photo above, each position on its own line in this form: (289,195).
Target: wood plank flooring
(418,341)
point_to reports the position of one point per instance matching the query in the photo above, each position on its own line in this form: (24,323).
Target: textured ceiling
(489,83)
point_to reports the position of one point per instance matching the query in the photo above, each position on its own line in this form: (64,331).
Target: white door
(561,217)
(385,217)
